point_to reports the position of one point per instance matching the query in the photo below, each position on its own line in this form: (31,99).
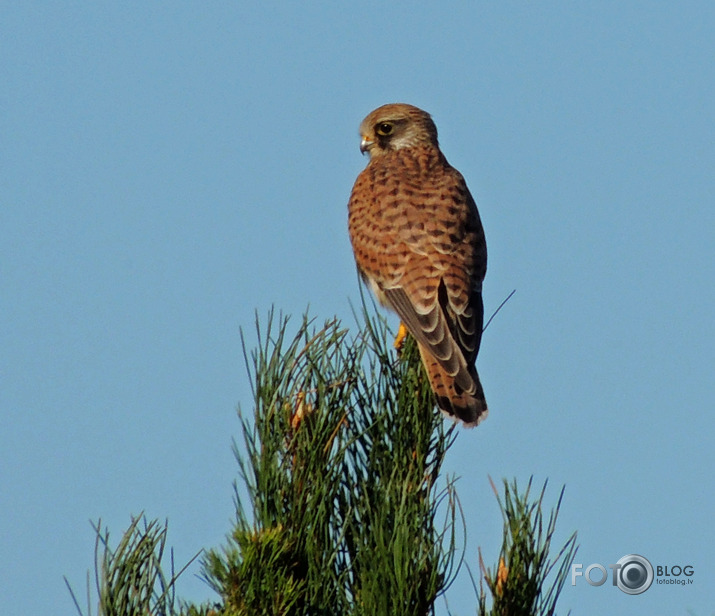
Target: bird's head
(396,126)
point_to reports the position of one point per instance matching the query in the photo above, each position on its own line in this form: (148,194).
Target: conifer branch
(341,508)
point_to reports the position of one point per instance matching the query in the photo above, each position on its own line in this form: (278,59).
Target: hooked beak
(366,144)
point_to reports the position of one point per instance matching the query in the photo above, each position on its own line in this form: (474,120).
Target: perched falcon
(419,245)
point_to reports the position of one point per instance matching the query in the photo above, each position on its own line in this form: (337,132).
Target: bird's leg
(400,338)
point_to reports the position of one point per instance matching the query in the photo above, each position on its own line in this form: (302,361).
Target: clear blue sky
(167,168)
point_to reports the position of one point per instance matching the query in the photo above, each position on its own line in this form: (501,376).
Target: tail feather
(465,404)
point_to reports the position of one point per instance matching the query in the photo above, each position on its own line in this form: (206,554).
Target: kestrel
(419,245)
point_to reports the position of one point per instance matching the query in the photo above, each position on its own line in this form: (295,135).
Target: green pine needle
(341,508)
(518,585)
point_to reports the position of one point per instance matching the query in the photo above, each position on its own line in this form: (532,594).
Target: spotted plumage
(419,244)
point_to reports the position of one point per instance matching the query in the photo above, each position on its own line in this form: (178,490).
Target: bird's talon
(400,338)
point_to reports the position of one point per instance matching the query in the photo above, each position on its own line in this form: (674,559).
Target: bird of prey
(419,245)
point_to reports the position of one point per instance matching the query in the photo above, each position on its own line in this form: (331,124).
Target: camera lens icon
(635,574)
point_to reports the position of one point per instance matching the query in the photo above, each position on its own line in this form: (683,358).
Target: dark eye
(384,128)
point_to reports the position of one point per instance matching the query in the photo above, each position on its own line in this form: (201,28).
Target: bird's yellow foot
(400,338)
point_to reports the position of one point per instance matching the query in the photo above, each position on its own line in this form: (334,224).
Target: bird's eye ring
(384,129)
